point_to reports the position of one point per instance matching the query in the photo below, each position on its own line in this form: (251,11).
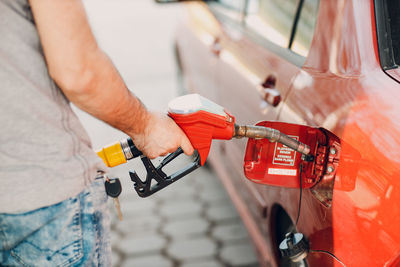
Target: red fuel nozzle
(202,127)
(202,120)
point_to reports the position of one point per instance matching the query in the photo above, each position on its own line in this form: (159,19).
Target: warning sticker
(284,155)
(287,172)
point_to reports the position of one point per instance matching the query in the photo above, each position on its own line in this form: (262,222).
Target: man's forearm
(84,73)
(104,94)
(89,79)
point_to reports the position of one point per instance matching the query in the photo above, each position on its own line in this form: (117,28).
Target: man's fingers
(164,153)
(187,146)
(163,136)
(172,150)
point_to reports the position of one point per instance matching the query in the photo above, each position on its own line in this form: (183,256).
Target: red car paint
(340,87)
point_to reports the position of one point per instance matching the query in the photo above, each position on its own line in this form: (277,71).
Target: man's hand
(161,136)
(88,78)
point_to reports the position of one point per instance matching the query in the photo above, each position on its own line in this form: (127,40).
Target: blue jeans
(74,232)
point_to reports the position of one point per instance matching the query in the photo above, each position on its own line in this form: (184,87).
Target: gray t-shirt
(45,154)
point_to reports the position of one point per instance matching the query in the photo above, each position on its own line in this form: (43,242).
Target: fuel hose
(259,132)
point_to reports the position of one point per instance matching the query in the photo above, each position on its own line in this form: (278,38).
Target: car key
(114,189)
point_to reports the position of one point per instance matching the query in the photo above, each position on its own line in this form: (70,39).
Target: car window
(272,19)
(237,5)
(234,9)
(305,27)
(394,18)
(279,25)
(388,31)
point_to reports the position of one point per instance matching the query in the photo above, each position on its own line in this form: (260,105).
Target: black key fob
(113,187)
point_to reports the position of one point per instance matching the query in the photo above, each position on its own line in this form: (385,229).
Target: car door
(343,89)
(196,50)
(255,69)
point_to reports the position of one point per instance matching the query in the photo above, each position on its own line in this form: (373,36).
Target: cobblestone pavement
(193,222)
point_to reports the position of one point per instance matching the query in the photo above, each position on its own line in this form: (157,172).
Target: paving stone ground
(193,222)
(169,229)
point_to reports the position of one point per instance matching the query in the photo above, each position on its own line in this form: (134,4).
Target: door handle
(269,93)
(272,96)
(215,47)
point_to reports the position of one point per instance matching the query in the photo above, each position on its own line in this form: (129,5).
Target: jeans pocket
(55,239)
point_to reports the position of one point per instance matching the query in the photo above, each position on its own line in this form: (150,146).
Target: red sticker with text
(284,155)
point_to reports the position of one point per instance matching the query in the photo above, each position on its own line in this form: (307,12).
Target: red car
(329,64)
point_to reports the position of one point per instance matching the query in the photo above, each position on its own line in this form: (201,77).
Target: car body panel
(358,105)
(198,34)
(242,68)
(340,87)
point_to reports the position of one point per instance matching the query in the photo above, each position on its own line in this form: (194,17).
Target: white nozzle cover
(192,103)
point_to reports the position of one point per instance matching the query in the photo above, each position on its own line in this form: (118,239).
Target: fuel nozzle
(202,121)
(259,132)
(119,152)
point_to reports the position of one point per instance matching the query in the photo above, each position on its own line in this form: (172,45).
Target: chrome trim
(126,149)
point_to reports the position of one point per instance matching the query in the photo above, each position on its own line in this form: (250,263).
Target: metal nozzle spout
(273,135)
